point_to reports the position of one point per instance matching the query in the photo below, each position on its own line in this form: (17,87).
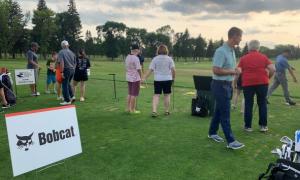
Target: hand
(62,76)
(295,80)
(142,80)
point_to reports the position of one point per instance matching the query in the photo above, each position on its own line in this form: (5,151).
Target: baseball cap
(134,46)
(34,44)
(64,43)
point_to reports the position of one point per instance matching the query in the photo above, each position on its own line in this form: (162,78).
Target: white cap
(64,43)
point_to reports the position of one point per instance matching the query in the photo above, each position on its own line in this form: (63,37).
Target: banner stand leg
(15,83)
(37,172)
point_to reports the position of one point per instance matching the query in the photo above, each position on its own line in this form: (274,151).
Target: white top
(161,66)
(132,66)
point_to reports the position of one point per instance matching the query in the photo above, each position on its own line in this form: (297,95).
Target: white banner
(42,137)
(24,76)
(297,141)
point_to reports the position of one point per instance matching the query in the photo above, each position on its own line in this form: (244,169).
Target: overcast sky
(270,21)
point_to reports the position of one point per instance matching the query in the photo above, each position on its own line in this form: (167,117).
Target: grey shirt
(31,56)
(67,58)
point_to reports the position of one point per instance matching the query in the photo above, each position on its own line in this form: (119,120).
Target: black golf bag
(200,106)
(282,170)
(8,89)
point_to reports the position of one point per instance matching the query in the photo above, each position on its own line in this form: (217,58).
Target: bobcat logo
(20,75)
(24,141)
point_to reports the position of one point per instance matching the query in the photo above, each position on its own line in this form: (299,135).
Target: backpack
(200,106)
(282,170)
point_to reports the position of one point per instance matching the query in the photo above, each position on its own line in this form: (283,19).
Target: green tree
(112,32)
(44,28)
(73,29)
(89,43)
(210,49)
(200,44)
(245,49)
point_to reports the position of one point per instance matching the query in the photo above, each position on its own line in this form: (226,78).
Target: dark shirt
(31,56)
(82,64)
(141,58)
(51,67)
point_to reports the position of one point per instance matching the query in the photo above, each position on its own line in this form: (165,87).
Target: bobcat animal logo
(24,142)
(20,75)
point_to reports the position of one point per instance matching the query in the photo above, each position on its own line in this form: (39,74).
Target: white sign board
(297,141)
(42,137)
(24,76)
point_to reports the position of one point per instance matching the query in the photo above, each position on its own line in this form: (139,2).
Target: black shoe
(290,103)
(5,106)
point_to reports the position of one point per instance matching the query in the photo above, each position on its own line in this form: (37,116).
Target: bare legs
(2,95)
(155,102)
(131,103)
(82,89)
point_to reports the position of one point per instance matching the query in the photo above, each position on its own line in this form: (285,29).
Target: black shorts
(80,76)
(162,86)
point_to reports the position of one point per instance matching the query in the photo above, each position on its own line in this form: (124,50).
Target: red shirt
(253,67)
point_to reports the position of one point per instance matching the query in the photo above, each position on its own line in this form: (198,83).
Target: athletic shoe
(290,103)
(73,99)
(5,106)
(216,138)
(154,114)
(81,99)
(235,145)
(248,129)
(37,94)
(47,92)
(65,103)
(263,129)
(60,98)
(136,112)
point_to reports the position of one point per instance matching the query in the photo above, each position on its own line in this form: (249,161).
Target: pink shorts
(134,88)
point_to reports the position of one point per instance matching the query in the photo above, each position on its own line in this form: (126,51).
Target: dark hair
(82,53)
(234,31)
(287,51)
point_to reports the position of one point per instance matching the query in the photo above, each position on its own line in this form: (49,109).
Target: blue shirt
(224,58)
(281,64)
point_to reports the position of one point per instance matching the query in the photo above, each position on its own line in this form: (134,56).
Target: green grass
(120,146)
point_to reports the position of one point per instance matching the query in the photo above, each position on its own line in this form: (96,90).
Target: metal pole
(114,83)
(173,99)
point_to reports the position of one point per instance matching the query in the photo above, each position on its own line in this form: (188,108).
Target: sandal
(154,114)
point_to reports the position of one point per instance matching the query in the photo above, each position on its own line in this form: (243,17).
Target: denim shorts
(51,78)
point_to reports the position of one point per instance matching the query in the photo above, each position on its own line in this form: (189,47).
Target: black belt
(223,81)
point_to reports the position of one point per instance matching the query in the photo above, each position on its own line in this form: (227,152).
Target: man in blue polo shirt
(280,76)
(224,69)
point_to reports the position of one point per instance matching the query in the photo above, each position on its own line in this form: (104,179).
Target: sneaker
(290,103)
(248,129)
(263,129)
(60,98)
(5,106)
(216,138)
(65,103)
(136,112)
(73,99)
(82,99)
(37,94)
(154,114)
(235,145)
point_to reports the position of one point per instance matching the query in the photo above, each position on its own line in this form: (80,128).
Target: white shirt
(162,67)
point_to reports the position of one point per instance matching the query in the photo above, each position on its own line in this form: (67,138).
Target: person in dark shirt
(51,78)
(81,73)
(32,63)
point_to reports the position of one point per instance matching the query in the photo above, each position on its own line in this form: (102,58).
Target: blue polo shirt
(281,64)
(224,58)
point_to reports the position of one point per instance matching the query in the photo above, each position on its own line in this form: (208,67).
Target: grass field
(137,147)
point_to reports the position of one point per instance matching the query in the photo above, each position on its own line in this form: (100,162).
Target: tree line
(113,38)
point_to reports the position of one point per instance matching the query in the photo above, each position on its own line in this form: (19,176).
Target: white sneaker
(82,99)
(65,103)
(60,98)
(37,94)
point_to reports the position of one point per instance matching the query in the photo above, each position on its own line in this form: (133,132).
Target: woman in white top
(163,68)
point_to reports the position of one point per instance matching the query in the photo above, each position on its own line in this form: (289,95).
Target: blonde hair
(162,50)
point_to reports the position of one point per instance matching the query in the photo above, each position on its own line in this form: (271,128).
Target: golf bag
(8,89)
(282,170)
(200,106)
